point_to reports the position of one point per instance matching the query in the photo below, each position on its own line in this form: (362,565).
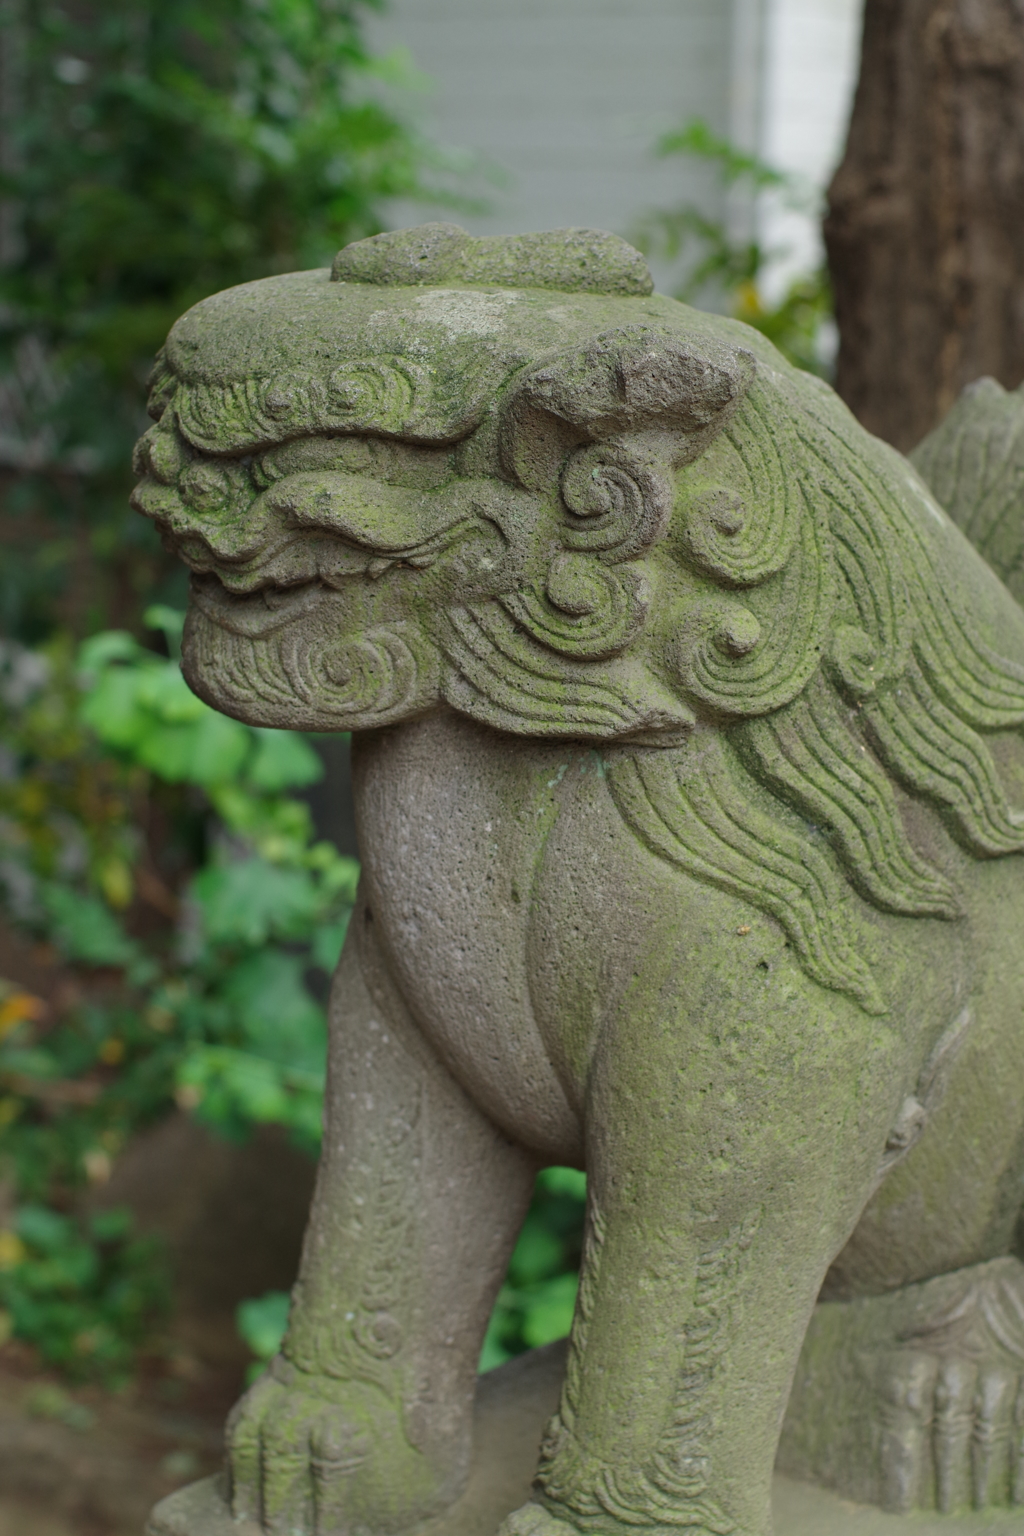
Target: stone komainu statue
(687,745)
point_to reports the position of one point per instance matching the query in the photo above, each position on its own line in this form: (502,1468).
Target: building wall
(566,97)
(811,54)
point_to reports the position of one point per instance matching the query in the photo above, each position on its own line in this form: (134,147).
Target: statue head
(444,470)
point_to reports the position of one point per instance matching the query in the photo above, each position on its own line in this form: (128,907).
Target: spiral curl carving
(724,538)
(371,391)
(388,395)
(585,610)
(741,663)
(618,503)
(368,678)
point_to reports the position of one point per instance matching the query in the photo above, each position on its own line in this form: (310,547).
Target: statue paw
(951,1432)
(535,1520)
(921,1392)
(314,1455)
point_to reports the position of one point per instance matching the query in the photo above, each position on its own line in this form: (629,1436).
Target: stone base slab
(513,1405)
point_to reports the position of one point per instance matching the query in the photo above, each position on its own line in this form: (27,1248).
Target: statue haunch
(687,745)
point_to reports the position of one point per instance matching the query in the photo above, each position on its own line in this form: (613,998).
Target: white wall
(567,97)
(811,55)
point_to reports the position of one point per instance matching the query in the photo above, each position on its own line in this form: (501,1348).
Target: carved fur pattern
(804,753)
(743,672)
(564,1420)
(755,544)
(670,1488)
(509,680)
(364,1342)
(920,685)
(367,678)
(936,754)
(692,807)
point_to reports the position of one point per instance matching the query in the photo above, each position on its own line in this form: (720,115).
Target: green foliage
(85,1294)
(535,1305)
(215,1005)
(152,845)
(156,151)
(711,261)
(261,1322)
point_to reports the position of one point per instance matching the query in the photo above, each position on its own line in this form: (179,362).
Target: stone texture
(687,766)
(513,1405)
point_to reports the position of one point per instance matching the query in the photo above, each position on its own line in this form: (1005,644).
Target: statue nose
(161,454)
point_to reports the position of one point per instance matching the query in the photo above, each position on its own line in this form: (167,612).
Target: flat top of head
(570,260)
(411,334)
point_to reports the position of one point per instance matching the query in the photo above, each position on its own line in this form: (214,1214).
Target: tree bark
(925,225)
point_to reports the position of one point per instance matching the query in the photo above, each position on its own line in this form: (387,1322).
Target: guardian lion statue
(689,772)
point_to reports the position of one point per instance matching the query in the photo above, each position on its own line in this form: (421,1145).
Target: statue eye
(206,488)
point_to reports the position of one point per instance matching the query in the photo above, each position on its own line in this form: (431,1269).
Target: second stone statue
(688,764)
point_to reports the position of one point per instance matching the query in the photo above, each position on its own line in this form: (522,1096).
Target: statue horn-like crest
(630,381)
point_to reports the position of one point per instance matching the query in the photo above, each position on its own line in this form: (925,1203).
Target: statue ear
(628,382)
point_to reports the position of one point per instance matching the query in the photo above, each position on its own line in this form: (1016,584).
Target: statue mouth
(254,615)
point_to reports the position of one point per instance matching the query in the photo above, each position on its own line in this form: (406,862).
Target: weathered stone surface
(513,1405)
(687,763)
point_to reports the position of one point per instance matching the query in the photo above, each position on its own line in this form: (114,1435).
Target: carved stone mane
(866,672)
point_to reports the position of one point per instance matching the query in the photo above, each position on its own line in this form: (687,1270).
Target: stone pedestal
(513,1404)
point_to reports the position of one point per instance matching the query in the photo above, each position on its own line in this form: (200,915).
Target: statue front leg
(719,1191)
(364,1419)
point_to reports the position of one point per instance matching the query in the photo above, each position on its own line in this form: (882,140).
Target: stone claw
(315,1455)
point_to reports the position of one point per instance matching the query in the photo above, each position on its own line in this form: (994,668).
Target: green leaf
(549,1310)
(113,709)
(84,929)
(206,752)
(245,902)
(29,1062)
(170,621)
(111,1226)
(327,943)
(696,138)
(563,1181)
(97,653)
(262,1321)
(280,1020)
(538,1253)
(282,760)
(235,1089)
(43,1229)
(234,1084)
(163,690)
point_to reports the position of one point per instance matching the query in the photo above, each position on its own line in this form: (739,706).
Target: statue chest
(453,825)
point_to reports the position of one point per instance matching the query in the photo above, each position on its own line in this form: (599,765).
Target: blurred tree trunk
(925,227)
